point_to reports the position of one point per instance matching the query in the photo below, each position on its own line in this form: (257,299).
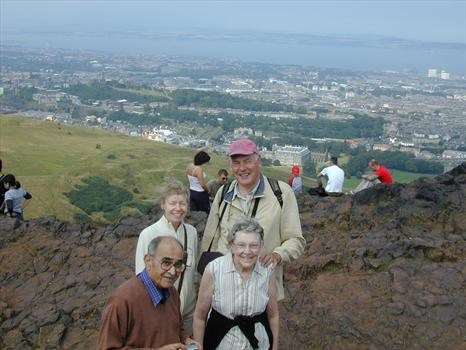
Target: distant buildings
(434,73)
(381,147)
(451,159)
(242,132)
(454,155)
(288,155)
(49,98)
(319,157)
(423,139)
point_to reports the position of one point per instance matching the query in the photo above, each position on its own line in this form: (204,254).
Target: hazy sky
(435,20)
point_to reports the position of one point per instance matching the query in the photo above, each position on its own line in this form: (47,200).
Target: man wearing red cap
(295,180)
(251,195)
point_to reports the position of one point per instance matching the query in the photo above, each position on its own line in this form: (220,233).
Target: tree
(276,162)
(309,168)
(76,113)
(266,162)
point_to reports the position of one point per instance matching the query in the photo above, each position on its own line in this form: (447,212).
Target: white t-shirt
(335,176)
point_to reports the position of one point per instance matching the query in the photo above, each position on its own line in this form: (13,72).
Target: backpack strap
(225,188)
(185,248)
(254,209)
(276,190)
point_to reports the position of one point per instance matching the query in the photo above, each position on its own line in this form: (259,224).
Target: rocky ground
(383,269)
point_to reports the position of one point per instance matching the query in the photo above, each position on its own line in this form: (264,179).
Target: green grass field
(50,159)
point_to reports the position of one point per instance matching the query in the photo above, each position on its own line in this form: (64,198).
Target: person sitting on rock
(295,181)
(380,175)
(335,178)
(380,172)
(144,312)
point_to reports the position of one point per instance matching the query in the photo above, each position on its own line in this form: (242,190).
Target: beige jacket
(282,225)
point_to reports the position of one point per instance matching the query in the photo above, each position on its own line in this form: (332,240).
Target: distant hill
(51,159)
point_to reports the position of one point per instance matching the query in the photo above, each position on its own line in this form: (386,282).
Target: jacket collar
(231,193)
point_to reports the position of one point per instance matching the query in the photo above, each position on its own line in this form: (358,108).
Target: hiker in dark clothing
(14,196)
(2,187)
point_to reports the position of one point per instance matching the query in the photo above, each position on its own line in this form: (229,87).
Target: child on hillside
(13,204)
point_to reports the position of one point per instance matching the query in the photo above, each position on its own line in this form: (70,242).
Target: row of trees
(392,160)
(18,98)
(291,131)
(212,99)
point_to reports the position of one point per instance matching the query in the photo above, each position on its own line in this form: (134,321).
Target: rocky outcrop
(383,269)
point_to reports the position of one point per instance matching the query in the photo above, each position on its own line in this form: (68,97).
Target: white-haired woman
(174,203)
(240,294)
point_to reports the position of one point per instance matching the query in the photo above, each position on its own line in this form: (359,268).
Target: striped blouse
(233,297)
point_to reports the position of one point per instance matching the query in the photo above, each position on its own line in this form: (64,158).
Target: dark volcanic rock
(383,269)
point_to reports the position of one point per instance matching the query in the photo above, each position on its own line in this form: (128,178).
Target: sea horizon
(370,53)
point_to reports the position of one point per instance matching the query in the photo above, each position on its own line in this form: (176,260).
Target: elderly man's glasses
(253,247)
(166,264)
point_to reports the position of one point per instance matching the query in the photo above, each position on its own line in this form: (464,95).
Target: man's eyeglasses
(166,264)
(224,178)
(253,247)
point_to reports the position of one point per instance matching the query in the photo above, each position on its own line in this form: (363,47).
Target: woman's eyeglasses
(253,247)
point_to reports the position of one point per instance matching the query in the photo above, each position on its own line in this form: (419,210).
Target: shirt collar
(168,223)
(157,295)
(257,191)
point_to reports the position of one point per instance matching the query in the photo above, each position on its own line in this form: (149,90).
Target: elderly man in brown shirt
(144,312)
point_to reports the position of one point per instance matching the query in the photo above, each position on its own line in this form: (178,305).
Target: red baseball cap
(243,147)
(295,170)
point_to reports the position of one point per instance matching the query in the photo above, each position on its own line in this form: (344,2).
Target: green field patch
(98,195)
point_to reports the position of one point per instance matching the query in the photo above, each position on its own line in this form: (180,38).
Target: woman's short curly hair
(172,186)
(246,225)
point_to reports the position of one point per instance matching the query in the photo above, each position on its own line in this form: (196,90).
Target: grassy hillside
(50,159)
